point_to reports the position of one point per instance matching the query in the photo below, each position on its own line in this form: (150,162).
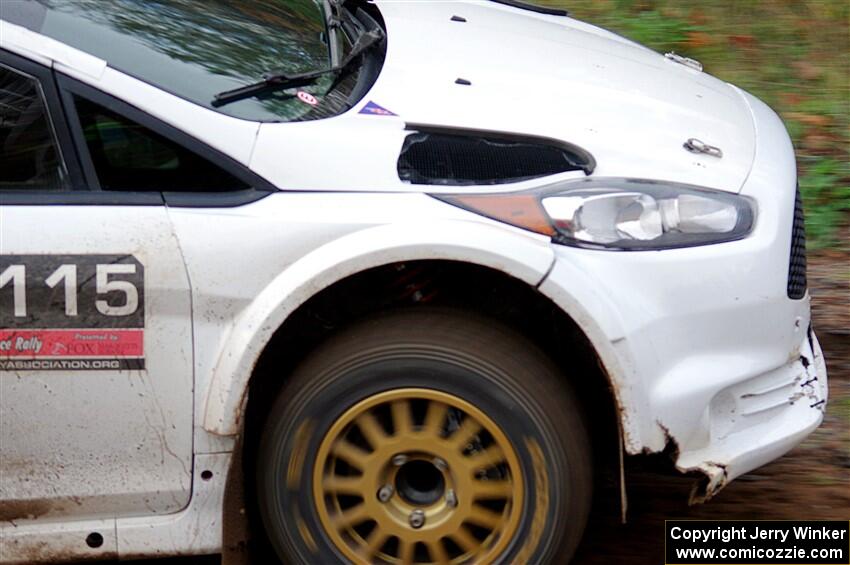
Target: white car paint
(686,342)
(630,107)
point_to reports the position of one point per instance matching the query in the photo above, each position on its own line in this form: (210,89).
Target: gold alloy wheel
(417,476)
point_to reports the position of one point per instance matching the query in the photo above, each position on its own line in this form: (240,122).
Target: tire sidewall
(323,399)
(493,368)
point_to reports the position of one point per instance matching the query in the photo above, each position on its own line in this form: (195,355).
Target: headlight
(620,213)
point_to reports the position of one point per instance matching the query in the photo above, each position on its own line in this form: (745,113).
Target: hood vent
(463,157)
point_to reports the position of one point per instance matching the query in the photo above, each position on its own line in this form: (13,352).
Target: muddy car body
(404,288)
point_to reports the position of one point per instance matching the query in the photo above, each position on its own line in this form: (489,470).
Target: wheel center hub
(420,482)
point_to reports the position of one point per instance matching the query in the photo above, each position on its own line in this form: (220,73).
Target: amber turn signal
(520,210)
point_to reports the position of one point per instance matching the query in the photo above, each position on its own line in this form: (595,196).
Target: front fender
(573,287)
(521,255)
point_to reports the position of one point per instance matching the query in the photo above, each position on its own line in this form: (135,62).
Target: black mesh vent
(472,158)
(797,282)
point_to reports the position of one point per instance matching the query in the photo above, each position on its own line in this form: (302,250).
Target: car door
(95,325)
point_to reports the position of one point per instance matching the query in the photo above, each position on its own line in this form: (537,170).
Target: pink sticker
(307,98)
(36,344)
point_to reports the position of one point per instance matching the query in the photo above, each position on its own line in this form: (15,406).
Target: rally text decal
(71,312)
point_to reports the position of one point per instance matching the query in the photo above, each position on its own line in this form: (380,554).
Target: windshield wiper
(280,81)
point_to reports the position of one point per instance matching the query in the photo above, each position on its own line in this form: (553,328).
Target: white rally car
(387,282)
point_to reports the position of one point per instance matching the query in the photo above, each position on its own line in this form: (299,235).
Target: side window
(129,156)
(30,154)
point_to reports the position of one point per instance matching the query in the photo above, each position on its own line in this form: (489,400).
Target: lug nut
(399,460)
(440,464)
(385,493)
(451,498)
(417,519)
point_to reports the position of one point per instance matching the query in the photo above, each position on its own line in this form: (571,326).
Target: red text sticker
(72,343)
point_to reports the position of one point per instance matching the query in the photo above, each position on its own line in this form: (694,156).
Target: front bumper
(760,419)
(705,352)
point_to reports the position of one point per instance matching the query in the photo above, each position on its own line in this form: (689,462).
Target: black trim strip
(533,7)
(79,198)
(214,199)
(91,181)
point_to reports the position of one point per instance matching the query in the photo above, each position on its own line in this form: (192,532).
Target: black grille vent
(797,282)
(473,158)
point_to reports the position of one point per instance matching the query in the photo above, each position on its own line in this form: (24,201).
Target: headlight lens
(621,213)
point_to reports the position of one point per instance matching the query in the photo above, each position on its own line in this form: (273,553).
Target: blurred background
(793,54)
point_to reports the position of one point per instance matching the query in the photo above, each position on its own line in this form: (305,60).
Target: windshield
(197,48)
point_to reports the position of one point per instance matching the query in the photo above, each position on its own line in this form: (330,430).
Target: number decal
(16,274)
(71,312)
(68,273)
(104,286)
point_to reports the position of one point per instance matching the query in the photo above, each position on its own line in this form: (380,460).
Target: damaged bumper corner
(758,421)
(715,477)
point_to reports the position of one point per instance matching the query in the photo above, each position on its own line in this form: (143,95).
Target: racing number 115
(66,275)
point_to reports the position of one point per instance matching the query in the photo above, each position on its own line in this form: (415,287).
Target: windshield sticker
(307,98)
(71,312)
(375,110)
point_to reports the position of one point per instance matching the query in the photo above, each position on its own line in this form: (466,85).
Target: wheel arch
(521,257)
(492,257)
(450,284)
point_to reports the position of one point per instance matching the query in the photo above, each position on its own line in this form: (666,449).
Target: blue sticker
(374,109)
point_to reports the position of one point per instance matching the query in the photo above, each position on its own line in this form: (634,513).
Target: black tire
(501,373)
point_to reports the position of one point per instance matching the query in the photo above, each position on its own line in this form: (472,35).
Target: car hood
(540,75)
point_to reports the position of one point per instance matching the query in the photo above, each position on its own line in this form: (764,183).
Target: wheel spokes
(345,485)
(437,552)
(402,420)
(485,517)
(352,454)
(377,538)
(435,418)
(351,517)
(467,431)
(487,458)
(371,430)
(491,489)
(464,539)
(418,475)
(406,549)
